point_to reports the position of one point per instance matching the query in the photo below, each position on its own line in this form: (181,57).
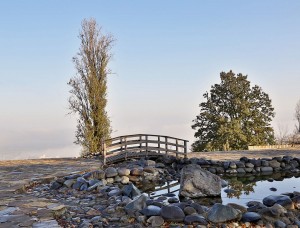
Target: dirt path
(18,208)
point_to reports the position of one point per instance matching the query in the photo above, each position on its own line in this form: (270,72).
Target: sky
(167,54)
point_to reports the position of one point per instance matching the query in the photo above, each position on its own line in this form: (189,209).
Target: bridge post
(166,139)
(104,152)
(176,148)
(140,144)
(146,137)
(121,147)
(185,149)
(125,140)
(158,144)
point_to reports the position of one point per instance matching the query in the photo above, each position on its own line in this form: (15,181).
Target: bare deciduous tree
(282,136)
(297,116)
(89,85)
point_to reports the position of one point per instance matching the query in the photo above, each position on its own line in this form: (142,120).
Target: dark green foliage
(88,93)
(233,116)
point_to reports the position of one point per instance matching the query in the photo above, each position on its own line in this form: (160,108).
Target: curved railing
(145,143)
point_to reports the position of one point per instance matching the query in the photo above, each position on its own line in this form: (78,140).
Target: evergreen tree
(233,116)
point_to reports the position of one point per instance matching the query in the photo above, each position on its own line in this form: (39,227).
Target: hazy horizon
(166,55)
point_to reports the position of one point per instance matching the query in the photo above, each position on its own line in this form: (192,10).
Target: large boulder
(196,182)
(272,213)
(151,210)
(156,221)
(266,169)
(137,204)
(195,219)
(123,171)
(250,217)
(172,213)
(274,164)
(296,201)
(131,191)
(69,183)
(255,206)
(282,200)
(111,172)
(55,185)
(222,213)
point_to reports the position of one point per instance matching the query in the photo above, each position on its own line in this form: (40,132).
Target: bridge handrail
(125,142)
(136,135)
(143,148)
(131,142)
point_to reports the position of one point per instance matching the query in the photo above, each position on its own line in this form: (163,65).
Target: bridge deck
(129,155)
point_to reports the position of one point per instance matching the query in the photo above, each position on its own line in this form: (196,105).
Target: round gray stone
(156,221)
(222,213)
(123,171)
(195,220)
(189,210)
(111,172)
(172,213)
(151,210)
(282,200)
(250,217)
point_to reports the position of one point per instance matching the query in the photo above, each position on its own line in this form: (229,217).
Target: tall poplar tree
(89,85)
(233,116)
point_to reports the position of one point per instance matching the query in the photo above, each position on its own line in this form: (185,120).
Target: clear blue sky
(167,54)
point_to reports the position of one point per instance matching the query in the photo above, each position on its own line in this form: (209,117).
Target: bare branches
(297,116)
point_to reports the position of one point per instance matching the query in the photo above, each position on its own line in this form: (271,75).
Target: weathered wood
(166,145)
(157,149)
(185,149)
(130,142)
(146,142)
(131,146)
(158,143)
(137,135)
(104,153)
(140,143)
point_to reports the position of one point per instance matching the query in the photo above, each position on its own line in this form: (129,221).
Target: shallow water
(242,189)
(261,186)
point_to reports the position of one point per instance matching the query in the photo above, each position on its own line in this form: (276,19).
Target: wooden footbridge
(142,145)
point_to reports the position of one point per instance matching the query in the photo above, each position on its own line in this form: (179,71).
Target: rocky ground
(28,200)
(19,208)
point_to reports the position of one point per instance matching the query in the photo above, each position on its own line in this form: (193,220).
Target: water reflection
(241,188)
(237,187)
(161,188)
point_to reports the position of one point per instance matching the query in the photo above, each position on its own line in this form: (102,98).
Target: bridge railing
(145,142)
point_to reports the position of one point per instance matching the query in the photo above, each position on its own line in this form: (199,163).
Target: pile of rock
(144,173)
(170,167)
(246,165)
(117,187)
(275,210)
